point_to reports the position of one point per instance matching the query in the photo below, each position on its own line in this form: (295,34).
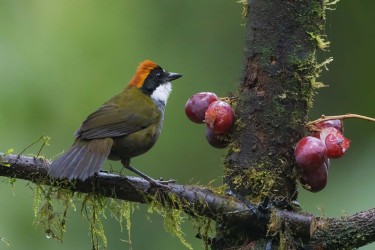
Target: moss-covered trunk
(275,93)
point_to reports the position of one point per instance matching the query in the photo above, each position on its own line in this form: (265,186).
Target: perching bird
(126,126)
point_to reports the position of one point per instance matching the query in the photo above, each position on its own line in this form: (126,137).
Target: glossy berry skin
(317,180)
(337,124)
(310,154)
(215,140)
(336,143)
(219,117)
(197,105)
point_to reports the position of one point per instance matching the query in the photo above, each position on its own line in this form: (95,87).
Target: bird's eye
(158,75)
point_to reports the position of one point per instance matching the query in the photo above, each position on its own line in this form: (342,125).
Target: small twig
(340,117)
(45,142)
(35,142)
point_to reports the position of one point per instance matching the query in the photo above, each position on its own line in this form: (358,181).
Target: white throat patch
(161,93)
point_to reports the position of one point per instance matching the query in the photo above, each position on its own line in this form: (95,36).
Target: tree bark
(344,233)
(275,93)
(276,90)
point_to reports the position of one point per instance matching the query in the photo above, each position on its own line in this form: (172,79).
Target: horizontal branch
(195,200)
(346,232)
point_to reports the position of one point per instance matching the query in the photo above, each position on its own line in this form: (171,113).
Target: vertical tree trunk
(275,93)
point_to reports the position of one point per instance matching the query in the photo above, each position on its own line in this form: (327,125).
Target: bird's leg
(144,176)
(148,178)
(152,181)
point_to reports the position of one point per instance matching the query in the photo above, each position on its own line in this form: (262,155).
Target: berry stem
(339,117)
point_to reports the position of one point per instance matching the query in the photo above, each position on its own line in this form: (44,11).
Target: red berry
(197,105)
(219,117)
(336,143)
(310,154)
(215,140)
(317,180)
(325,132)
(337,124)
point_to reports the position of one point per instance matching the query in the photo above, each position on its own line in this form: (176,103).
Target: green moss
(121,211)
(239,124)
(220,190)
(260,182)
(45,213)
(321,65)
(51,206)
(320,40)
(296,120)
(245,5)
(283,241)
(233,147)
(277,113)
(205,229)
(93,207)
(308,69)
(8,152)
(2,160)
(173,217)
(329,5)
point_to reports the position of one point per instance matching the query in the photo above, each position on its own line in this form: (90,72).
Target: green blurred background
(60,60)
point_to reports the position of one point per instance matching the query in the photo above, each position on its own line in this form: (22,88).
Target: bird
(125,126)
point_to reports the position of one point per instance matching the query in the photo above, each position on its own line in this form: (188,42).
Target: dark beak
(173,76)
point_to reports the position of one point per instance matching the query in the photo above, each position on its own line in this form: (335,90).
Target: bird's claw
(162,181)
(158,184)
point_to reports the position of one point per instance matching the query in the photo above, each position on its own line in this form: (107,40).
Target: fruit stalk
(340,117)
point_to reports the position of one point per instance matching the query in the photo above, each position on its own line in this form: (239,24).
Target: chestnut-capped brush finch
(126,126)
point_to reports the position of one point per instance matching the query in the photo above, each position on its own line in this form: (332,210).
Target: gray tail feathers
(82,160)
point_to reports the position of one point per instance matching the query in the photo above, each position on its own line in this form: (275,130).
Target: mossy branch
(194,200)
(347,232)
(312,232)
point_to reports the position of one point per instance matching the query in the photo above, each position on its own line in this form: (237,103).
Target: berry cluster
(206,107)
(312,153)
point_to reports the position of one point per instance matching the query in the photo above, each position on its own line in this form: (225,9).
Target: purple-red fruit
(310,154)
(336,143)
(215,140)
(337,124)
(219,117)
(197,105)
(317,180)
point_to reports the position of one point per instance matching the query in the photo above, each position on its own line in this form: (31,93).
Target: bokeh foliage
(60,60)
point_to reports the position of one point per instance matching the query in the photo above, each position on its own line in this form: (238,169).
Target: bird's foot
(153,183)
(160,183)
(165,182)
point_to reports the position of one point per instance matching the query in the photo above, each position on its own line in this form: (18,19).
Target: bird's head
(153,81)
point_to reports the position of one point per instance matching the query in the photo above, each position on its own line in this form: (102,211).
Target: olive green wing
(112,120)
